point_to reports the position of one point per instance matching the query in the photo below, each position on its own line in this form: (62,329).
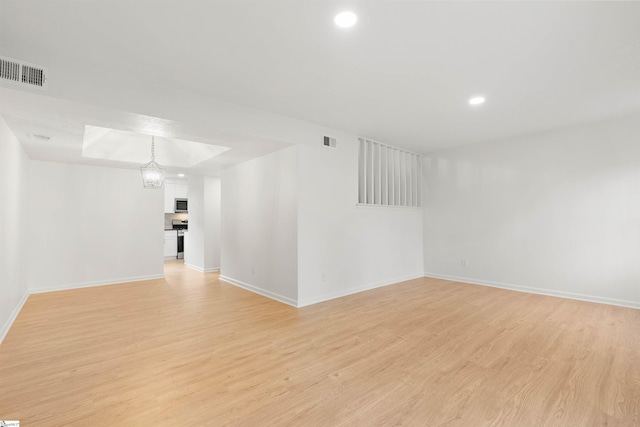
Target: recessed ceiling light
(345,19)
(476,100)
(181,175)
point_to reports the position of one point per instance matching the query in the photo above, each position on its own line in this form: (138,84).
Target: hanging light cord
(153,150)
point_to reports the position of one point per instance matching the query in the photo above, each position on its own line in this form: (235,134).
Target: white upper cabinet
(180,191)
(169,197)
(172,192)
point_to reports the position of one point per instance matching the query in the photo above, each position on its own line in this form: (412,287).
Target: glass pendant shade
(152,172)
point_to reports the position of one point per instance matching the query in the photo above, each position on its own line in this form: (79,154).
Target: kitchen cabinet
(180,191)
(169,197)
(170,244)
(171,193)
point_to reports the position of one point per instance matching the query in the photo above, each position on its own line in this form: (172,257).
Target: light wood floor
(193,351)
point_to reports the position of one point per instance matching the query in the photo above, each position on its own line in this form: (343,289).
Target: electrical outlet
(324,277)
(464,263)
(253,270)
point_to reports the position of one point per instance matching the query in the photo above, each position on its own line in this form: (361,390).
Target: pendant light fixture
(152,173)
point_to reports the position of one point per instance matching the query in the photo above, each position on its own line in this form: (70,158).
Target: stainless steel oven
(180,226)
(180,244)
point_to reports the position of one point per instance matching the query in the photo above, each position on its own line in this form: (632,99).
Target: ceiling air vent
(23,73)
(328,141)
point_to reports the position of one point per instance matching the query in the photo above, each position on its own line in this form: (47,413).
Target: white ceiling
(402,75)
(118,145)
(66,122)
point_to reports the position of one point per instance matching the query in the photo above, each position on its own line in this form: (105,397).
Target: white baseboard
(540,291)
(91,284)
(202,270)
(14,314)
(351,291)
(260,291)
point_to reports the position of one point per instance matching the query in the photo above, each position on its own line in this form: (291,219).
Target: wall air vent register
(23,73)
(329,142)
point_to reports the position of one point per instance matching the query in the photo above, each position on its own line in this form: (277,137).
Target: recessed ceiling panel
(111,144)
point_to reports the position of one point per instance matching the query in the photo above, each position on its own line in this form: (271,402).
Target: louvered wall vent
(23,73)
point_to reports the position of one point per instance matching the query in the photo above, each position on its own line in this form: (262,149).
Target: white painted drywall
(212,202)
(91,225)
(259,249)
(555,213)
(342,248)
(14,166)
(202,241)
(194,238)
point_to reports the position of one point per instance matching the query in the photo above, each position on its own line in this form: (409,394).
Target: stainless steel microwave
(181,206)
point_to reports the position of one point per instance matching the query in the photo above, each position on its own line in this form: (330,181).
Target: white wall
(291,217)
(14,165)
(344,248)
(212,212)
(91,225)
(194,238)
(259,225)
(556,213)
(202,241)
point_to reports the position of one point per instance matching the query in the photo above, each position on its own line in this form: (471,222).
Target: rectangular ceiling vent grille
(23,73)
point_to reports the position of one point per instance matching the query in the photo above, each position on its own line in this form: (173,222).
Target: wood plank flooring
(193,351)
